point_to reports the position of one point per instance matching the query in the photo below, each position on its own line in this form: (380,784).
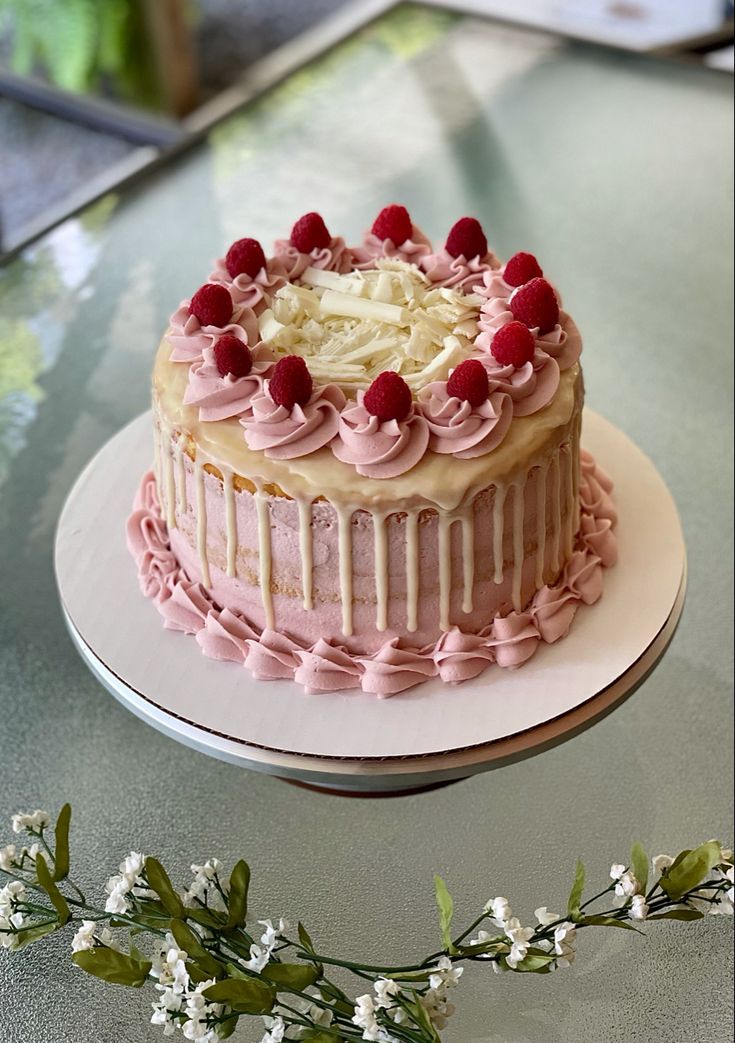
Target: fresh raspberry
(469,382)
(513,345)
(466,239)
(394,223)
(245,257)
(535,304)
(310,233)
(232,356)
(522,268)
(388,397)
(212,305)
(290,382)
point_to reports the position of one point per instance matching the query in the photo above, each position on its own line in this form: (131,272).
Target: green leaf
(639,864)
(191,943)
(445,905)
(237,902)
(609,921)
(292,975)
(115,967)
(423,1020)
(206,917)
(305,939)
(61,852)
(226,1028)
(691,869)
(46,881)
(317,1036)
(575,895)
(159,882)
(32,934)
(678,914)
(248,996)
(339,999)
(535,963)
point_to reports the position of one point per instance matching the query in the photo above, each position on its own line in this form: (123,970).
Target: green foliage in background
(84,45)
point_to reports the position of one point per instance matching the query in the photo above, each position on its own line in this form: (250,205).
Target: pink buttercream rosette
(292,263)
(459,428)
(459,273)
(372,247)
(379,449)
(563,343)
(283,434)
(246,291)
(188,338)
(219,397)
(530,387)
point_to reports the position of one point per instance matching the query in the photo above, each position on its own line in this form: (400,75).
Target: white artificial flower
(258,958)
(564,936)
(500,910)
(30,852)
(272,935)
(35,820)
(166,1009)
(7,857)
(132,865)
(627,886)
(616,870)
(727,854)
(730,893)
(117,891)
(661,862)
(386,991)
(200,1011)
(519,938)
(84,938)
(638,908)
(445,974)
(169,967)
(203,884)
(107,938)
(10,896)
(11,919)
(436,1005)
(276,1029)
(544,917)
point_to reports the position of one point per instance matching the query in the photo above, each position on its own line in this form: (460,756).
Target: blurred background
(92,91)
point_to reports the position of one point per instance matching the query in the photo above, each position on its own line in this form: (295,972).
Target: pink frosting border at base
(508,641)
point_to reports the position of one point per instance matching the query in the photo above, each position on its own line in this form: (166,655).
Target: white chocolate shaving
(352,327)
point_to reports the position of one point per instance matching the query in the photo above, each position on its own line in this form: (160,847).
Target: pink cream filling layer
(508,641)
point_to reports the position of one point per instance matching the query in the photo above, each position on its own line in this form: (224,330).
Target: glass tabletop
(614,170)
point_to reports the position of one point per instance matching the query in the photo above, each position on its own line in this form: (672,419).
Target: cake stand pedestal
(350,742)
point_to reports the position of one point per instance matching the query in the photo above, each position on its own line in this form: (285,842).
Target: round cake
(367,461)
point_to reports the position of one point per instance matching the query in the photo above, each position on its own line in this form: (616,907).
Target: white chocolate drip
(445,568)
(468,557)
(381,571)
(541,523)
(412,570)
(230,522)
(306,551)
(201,521)
(498,517)
(569,495)
(556,508)
(518,544)
(344,519)
(264,554)
(181,473)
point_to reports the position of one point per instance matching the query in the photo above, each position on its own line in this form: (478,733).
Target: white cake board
(352,741)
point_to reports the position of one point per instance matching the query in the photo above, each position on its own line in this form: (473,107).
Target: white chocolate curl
(349,328)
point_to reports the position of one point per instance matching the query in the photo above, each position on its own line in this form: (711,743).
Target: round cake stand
(352,743)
